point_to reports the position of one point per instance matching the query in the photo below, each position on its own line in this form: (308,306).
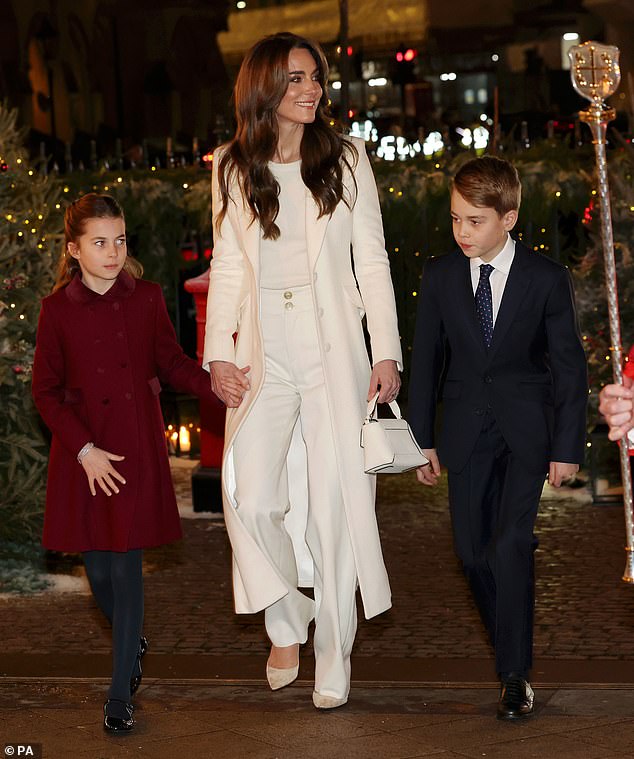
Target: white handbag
(389,446)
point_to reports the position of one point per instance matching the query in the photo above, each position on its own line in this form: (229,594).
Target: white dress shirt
(501,267)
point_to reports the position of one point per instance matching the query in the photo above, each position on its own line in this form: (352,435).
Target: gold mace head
(595,71)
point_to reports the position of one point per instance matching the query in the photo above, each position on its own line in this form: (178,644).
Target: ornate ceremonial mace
(596,75)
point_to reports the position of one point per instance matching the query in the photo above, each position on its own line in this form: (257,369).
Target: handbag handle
(372,409)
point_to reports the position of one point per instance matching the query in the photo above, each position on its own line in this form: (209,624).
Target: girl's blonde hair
(90,206)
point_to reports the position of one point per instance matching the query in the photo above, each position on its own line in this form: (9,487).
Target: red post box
(206,488)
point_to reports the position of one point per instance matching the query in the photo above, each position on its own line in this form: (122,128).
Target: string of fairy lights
(28,229)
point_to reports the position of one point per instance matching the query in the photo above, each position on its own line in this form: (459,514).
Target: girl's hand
(98,469)
(228,382)
(385,378)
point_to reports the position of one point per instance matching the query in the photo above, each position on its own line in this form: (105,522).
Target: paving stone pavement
(204,695)
(62,721)
(584,612)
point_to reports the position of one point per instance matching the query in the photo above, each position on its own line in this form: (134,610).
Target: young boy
(497,323)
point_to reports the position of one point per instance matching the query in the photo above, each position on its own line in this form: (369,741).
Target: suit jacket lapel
(465,306)
(514,292)
(315,230)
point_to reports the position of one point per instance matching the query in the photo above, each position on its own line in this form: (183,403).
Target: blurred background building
(146,70)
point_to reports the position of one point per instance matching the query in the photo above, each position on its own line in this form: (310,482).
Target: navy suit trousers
(493,502)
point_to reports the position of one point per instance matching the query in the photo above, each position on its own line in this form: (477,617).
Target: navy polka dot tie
(484,304)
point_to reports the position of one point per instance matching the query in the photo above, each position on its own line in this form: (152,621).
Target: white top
(501,267)
(284,262)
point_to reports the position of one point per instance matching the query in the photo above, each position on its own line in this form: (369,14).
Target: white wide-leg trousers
(294,386)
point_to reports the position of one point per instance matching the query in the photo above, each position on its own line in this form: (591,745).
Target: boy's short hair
(489,182)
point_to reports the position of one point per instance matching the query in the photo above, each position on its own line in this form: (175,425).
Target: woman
(290,196)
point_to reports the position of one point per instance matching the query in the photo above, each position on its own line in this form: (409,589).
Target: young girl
(105,345)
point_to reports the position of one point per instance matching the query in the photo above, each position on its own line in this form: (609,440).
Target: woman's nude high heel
(281,677)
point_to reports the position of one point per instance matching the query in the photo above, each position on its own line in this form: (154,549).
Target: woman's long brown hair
(260,86)
(89,206)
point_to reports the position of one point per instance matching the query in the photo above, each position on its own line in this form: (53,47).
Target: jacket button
(479,412)
(288,306)
(288,295)
(488,379)
(119,334)
(100,370)
(115,306)
(128,396)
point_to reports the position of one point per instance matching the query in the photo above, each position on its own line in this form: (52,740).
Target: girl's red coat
(99,364)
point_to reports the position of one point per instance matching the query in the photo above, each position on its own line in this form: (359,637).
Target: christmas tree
(30,226)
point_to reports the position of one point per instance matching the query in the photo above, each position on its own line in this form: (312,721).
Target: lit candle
(183,439)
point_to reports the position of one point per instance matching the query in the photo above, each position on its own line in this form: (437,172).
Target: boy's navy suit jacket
(533,378)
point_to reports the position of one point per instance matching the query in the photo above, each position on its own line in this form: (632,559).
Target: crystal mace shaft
(598,120)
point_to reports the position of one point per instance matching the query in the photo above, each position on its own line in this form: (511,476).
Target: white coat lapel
(251,237)
(250,234)
(315,230)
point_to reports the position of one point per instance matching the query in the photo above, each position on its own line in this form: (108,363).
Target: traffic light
(405,62)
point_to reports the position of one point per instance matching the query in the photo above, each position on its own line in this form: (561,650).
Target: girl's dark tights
(116,580)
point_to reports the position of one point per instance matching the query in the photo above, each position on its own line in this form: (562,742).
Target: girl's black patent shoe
(117,716)
(136,679)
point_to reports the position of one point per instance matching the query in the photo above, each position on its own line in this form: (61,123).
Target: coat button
(288,306)
(288,295)
(119,334)
(100,370)
(128,396)
(488,379)
(479,412)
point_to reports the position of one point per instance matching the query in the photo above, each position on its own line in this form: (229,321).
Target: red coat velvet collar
(123,287)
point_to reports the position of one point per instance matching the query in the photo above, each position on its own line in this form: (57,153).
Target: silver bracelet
(84,451)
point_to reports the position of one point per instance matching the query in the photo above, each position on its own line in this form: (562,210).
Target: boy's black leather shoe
(516,699)
(117,716)
(136,679)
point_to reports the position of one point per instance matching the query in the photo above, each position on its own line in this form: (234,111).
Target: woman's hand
(228,382)
(98,469)
(386,380)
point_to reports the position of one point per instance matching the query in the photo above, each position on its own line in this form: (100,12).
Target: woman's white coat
(233,306)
